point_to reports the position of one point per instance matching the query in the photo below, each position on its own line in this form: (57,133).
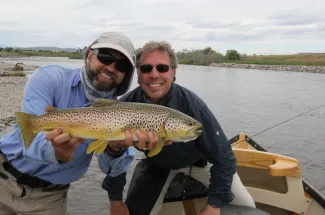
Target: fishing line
(287,121)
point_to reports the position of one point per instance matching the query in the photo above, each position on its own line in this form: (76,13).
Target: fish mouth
(196,131)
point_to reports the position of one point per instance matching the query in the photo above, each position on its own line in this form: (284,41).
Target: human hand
(209,210)
(118,208)
(63,144)
(141,143)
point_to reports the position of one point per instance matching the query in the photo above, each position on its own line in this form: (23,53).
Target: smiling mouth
(108,76)
(154,85)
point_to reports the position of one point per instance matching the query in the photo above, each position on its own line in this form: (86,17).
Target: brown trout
(107,120)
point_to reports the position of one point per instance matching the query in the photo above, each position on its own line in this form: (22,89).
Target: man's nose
(111,67)
(154,72)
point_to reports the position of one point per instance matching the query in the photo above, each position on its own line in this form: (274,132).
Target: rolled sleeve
(215,202)
(114,186)
(116,166)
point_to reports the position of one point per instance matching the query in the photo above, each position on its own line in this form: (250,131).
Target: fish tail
(26,126)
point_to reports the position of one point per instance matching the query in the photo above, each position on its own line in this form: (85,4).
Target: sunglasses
(147,68)
(122,65)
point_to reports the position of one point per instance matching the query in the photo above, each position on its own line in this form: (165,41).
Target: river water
(243,100)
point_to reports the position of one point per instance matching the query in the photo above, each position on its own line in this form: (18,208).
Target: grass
(303,59)
(13,74)
(22,53)
(50,54)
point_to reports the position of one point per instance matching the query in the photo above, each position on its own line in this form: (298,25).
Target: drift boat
(273,180)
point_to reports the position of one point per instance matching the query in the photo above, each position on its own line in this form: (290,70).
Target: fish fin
(103,102)
(101,147)
(26,127)
(157,148)
(94,145)
(49,108)
(47,130)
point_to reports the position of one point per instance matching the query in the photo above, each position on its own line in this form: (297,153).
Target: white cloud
(249,26)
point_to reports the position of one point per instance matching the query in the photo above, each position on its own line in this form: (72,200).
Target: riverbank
(294,68)
(15,69)
(10,102)
(40,53)
(18,69)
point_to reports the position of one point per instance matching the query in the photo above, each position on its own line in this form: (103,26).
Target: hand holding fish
(141,143)
(63,144)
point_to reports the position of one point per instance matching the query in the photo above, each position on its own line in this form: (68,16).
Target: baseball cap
(117,41)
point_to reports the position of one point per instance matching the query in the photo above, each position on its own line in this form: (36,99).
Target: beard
(99,84)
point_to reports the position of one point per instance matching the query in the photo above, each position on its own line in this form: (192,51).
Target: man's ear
(89,54)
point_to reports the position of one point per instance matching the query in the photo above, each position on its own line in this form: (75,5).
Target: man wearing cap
(36,180)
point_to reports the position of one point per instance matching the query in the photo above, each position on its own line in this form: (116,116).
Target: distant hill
(48,48)
(42,48)
(307,53)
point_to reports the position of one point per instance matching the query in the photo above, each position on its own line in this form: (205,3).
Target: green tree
(207,50)
(204,56)
(232,54)
(8,49)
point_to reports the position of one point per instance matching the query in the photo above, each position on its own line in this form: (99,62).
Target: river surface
(242,100)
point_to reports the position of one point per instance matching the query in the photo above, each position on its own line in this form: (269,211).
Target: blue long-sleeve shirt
(60,87)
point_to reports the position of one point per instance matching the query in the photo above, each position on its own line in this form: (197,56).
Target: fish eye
(191,124)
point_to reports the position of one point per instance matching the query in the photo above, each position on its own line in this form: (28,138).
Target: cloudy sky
(249,26)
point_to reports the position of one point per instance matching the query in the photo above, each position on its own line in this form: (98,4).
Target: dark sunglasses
(147,68)
(122,65)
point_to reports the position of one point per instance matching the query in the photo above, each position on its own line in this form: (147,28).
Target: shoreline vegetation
(302,62)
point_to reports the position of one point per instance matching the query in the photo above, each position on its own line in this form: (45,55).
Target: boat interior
(273,180)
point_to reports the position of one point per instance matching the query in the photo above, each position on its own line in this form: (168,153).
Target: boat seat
(184,187)
(277,165)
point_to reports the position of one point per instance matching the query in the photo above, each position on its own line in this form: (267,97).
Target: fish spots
(113,119)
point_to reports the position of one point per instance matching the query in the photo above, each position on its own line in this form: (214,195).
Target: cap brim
(114,46)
